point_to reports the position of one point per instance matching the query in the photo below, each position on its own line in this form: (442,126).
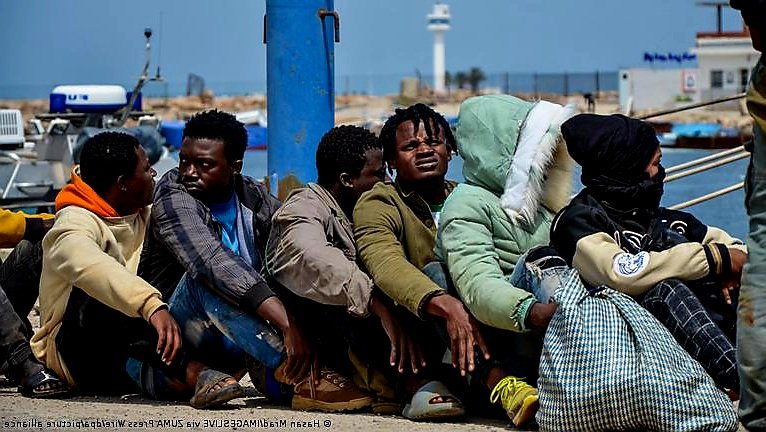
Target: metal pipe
(692,106)
(702,168)
(141,80)
(706,167)
(702,160)
(708,197)
(300,58)
(11,180)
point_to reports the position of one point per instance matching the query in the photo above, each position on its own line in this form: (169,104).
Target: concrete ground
(132,412)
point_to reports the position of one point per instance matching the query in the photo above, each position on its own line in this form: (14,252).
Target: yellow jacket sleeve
(14,226)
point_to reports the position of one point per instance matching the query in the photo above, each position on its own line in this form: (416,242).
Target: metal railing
(706,163)
(702,160)
(721,161)
(692,106)
(708,197)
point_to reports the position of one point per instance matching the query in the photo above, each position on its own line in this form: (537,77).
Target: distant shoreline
(361,108)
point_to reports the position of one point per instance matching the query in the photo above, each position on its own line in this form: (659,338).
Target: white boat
(34,167)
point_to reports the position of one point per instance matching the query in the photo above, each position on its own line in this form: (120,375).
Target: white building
(724,61)
(643,89)
(438,23)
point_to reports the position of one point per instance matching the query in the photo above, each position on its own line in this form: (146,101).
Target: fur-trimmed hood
(514,149)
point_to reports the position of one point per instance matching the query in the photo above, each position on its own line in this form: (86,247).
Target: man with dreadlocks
(395,229)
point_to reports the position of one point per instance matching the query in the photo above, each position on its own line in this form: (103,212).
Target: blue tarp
(257,137)
(696,129)
(173,131)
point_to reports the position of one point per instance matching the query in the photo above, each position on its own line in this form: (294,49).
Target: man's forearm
(437,305)
(273,311)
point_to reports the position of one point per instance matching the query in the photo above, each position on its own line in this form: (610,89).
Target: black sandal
(43,384)
(206,397)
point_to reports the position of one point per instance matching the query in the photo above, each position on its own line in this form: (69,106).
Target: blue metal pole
(300,58)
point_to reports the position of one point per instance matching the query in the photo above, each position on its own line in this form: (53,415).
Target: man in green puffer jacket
(517,176)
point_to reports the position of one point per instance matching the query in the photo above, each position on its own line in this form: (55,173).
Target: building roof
(744,33)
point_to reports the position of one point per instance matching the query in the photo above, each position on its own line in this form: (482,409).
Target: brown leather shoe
(333,393)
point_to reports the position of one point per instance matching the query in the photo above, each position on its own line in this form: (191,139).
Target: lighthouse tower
(438,23)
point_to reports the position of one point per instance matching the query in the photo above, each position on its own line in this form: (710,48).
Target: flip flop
(204,395)
(433,401)
(383,406)
(32,386)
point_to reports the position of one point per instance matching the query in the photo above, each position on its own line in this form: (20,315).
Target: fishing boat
(699,135)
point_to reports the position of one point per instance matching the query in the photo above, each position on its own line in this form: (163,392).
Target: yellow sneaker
(518,398)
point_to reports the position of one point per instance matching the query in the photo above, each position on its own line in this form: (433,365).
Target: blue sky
(48,42)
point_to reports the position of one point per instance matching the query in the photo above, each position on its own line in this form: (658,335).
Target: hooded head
(514,149)
(614,152)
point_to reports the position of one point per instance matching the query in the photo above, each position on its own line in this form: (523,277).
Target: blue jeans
(540,272)
(751,323)
(215,332)
(219,333)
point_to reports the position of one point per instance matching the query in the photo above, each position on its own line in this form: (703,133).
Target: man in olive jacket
(395,226)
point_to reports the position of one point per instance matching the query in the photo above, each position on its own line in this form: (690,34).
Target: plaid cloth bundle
(607,364)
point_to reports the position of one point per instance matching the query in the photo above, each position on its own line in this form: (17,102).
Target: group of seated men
(408,296)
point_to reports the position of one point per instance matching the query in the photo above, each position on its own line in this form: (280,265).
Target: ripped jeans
(219,333)
(216,333)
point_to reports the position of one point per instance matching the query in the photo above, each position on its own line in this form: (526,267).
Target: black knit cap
(615,146)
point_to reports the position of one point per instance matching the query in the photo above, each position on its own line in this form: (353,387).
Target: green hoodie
(518,175)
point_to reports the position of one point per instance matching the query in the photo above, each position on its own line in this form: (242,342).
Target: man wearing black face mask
(615,233)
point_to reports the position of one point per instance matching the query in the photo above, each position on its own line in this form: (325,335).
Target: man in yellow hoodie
(94,309)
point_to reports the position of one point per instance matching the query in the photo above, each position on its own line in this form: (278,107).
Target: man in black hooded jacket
(615,233)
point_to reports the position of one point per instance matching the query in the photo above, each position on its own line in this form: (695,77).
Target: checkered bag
(607,364)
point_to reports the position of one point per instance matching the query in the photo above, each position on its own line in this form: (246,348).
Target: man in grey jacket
(311,248)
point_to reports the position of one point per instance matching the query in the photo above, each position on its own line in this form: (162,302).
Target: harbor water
(726,212)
